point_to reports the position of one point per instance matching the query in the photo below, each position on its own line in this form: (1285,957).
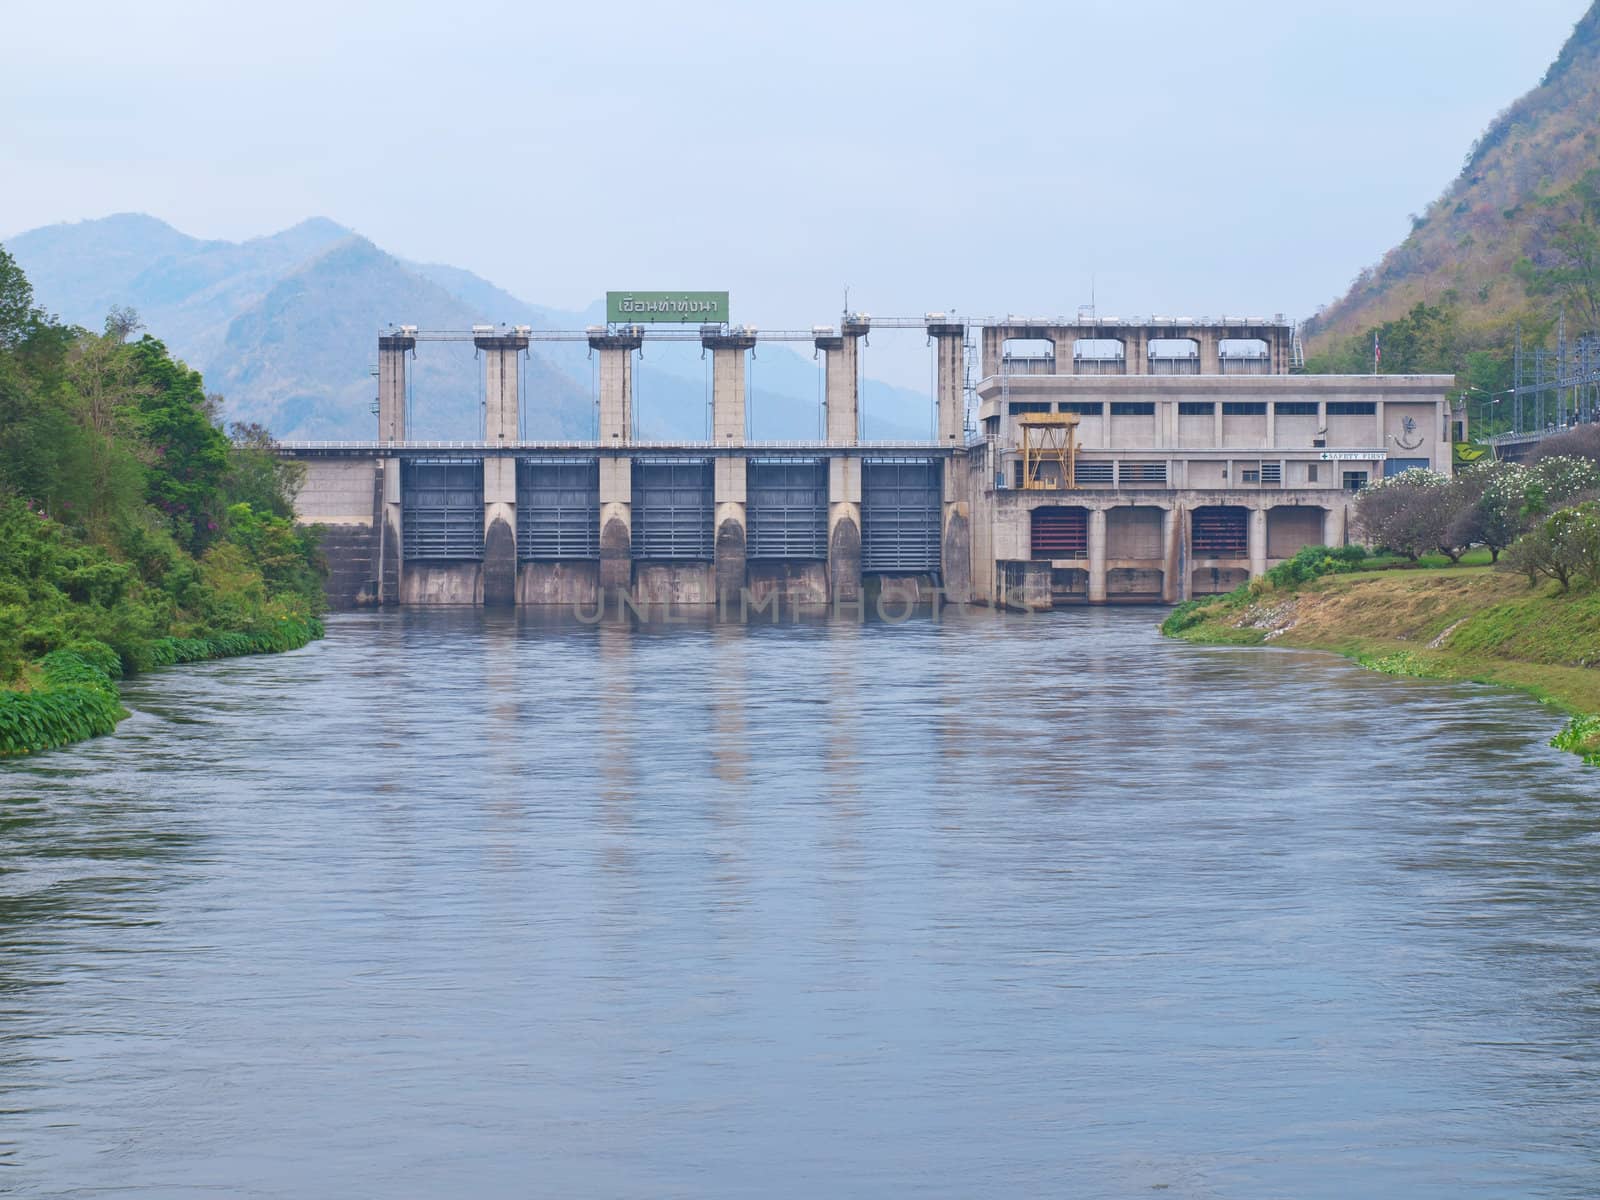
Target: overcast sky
(985,158)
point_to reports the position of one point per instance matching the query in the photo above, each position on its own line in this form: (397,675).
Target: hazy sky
(986,158)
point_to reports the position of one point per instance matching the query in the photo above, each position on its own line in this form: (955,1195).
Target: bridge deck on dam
(478,449)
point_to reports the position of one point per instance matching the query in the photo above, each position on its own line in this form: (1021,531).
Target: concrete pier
(616,351)
(1173,539)
(955,543)
(501,353)
(392,352)
(841,387)
(730,521)
(1097,556)
(1258,542)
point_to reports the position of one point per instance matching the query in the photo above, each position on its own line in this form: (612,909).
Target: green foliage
(1312,562)
(17,313)
(1402,662)
(257,476)
(1564,262)
(188,453)
(1581,736)
(133,534)
(1184,616)
(1427,340)
(1564,547)
(78,700)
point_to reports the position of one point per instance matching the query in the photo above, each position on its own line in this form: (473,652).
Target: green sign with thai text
(670,308)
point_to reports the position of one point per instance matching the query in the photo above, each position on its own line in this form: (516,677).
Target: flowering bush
(1565,547)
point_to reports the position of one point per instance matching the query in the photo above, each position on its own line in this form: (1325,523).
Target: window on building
(1084,408)
(1272,472)
(1296,408)
(1092,472)
(1029,406)
(1132,408)
(1142,472)
(1196,408)
(1319,443)
(1354,481)
(1251,475)
(1352,408)
(1243,408)
(1311,472)
(1016,474)
(991,427)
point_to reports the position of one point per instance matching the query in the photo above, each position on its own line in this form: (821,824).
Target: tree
(1564,546)
(1407,513)
(188,453)
(257,475)
(17,312)
(122,322)
(105,471)
(1564,251)
(1490,497)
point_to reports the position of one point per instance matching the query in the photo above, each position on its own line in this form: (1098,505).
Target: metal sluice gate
(787,508)
(672,509)
(558,509)
(441,505)
(900,514)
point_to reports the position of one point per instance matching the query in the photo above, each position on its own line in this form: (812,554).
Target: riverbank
(1464,623)
(71,695)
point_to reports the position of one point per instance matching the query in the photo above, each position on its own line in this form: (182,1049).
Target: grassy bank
(1466,623)
(71,695)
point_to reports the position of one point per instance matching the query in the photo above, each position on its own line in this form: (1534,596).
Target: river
(453,904)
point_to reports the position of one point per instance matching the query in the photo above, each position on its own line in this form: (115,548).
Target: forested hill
(1515,235)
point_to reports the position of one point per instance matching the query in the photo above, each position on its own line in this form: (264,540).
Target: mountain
(285,328)
(1494,244)
(299,359)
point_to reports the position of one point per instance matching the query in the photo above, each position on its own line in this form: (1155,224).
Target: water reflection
(987,905)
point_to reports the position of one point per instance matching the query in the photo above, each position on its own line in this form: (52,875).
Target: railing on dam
(389,449)
(591,447)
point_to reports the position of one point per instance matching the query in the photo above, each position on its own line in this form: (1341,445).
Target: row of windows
(1202,408)
(1156,472)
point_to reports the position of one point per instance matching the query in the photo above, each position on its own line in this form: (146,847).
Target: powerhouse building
(1201,455)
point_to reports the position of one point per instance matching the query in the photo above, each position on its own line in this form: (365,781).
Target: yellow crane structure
(1049,438)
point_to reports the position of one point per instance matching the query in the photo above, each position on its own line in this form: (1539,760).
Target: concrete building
(1109,461)
(1198,458)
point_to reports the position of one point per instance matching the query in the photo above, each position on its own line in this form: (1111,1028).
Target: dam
(1091,460)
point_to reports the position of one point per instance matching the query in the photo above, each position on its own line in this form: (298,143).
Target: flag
(1377,352)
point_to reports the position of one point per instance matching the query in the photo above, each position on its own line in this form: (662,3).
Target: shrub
(77,700)
(1184,616)
(1581,735)
(1405,513)
(1565,547)
(1312,562)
